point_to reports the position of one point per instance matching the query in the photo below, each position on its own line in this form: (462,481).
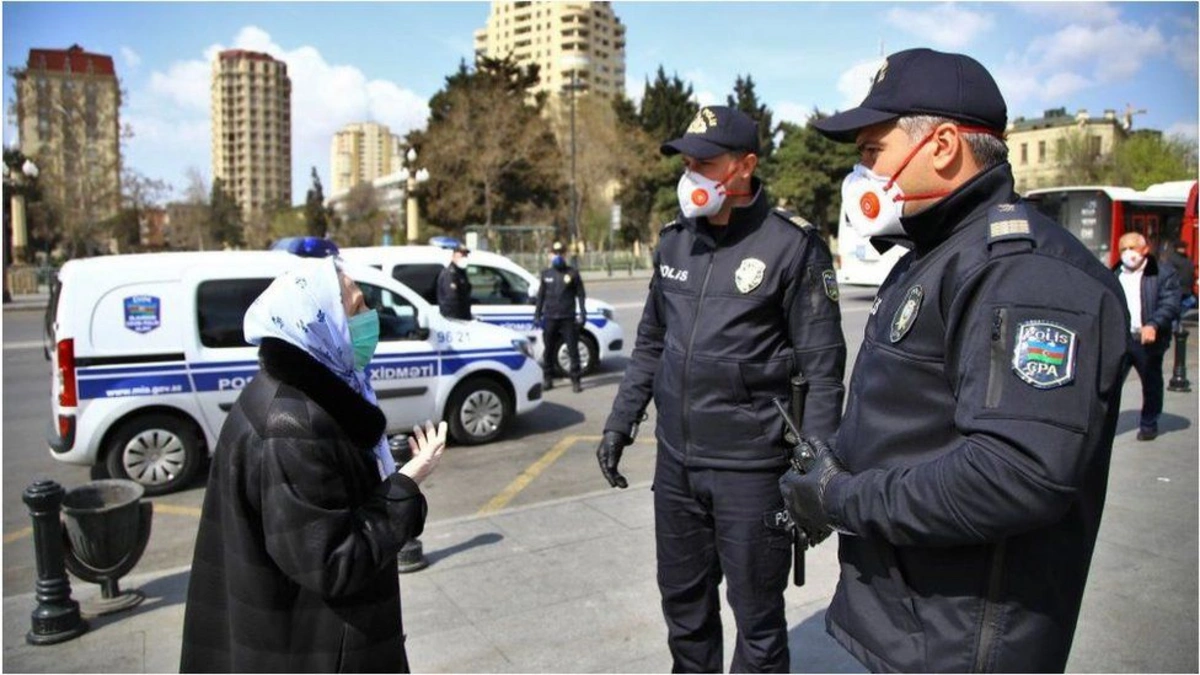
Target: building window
(1060,150)
(1024,153)
(1095,145)
(1041,152)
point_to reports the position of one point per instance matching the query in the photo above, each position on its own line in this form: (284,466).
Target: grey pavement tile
(1174,538)
(511,585)
(465,543)
(632,508)
(463,650)
(538,528)
(426,609)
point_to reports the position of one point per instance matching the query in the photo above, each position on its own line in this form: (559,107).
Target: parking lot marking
(19,534)
(528,475)
(160,508)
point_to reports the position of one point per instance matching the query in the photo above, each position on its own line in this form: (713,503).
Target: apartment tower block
(252,129)
(362,152)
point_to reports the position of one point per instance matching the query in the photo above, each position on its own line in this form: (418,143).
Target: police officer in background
(742,298)
(558,295)
(969,473)
(453,287)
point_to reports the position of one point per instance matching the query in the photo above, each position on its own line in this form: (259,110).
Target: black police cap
(715,130)
(923,82)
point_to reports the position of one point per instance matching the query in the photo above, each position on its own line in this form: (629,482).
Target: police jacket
(560,292)
(732,314)
(1160,298)
(977,433)
(454,293)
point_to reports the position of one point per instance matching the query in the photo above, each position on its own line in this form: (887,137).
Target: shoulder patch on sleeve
(1044,354)
(794,219)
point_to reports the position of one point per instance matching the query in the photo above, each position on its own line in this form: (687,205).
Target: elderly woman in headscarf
(295,561)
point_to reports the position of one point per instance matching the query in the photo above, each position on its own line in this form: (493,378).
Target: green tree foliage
(668,106)
(1147,158)
(492,158)
(138,194)
(317,215)
(806,173)
(225,216)
(746,100)
(361,218)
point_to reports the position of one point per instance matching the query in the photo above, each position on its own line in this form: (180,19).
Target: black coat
(295,561)
(560,295)
(732,314)
(978,432)
(454,293)
(1160,299)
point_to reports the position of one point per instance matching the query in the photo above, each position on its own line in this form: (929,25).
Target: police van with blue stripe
(148,357)
(502,294)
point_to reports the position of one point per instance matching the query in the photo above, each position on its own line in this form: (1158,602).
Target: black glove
(804,493)
(609,455)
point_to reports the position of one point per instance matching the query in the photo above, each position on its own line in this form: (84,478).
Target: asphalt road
(549,454)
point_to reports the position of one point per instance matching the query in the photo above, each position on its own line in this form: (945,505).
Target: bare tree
(361,216)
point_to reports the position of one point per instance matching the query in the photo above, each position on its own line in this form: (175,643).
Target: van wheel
(160,452)
(478,411)
(589,357)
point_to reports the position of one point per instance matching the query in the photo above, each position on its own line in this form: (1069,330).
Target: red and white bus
(1099,215)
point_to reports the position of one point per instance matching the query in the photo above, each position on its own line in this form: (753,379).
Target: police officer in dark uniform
(558,295)
(743,297)
(453,287)
(969,473)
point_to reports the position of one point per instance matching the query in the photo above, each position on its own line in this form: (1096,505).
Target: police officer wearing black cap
(454,288)
(743,297)
(560,305)
(968,477)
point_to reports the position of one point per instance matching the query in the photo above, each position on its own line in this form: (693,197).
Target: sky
(382,61)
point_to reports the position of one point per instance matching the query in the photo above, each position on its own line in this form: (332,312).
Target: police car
(502,294)
(148,357)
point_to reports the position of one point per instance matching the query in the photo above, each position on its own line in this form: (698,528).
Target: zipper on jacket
(995,385)
(687,357)
(987,632)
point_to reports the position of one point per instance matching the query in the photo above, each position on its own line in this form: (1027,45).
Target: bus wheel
(161,452)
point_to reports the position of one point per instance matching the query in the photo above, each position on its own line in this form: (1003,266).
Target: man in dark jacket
(969,474)
(453,287)
(1152,295)
(1185,269)
(743,297)
(304,514)
(560,292)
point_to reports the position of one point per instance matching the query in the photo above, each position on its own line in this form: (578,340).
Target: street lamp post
(20,234)
(575,63)
(412,177)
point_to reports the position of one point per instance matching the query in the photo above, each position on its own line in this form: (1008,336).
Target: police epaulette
(1009,229)
(673,223)
(794,219)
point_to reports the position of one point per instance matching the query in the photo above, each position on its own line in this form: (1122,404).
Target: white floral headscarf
(303,307)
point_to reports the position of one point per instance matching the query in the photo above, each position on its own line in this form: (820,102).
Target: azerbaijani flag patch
(1044,354)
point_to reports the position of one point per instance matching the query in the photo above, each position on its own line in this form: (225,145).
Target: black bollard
(56,617)
(412,555)
(1179,378)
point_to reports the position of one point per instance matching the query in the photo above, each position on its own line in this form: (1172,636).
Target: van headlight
(522,345)
(607,313)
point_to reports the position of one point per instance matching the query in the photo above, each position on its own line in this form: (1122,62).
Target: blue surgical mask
(364,336)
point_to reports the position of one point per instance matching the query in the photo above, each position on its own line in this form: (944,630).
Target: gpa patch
(143,313)
(1044,354)
(904,317)
(831,287)
(749,274)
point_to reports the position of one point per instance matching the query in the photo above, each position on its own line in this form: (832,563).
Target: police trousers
(711,523)
(554,333)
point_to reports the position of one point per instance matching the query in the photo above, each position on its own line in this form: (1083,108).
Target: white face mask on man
(700,196)
(1132,259)
(872,204)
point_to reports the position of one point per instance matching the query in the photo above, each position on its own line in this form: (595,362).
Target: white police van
(148,357)
(502,293)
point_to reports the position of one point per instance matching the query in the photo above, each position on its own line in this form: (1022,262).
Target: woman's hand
(427,445)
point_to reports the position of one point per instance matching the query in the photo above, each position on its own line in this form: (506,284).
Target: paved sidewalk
(568,586)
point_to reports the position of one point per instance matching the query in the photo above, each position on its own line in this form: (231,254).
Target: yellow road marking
(528,475)
(159,508)
(19,534)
